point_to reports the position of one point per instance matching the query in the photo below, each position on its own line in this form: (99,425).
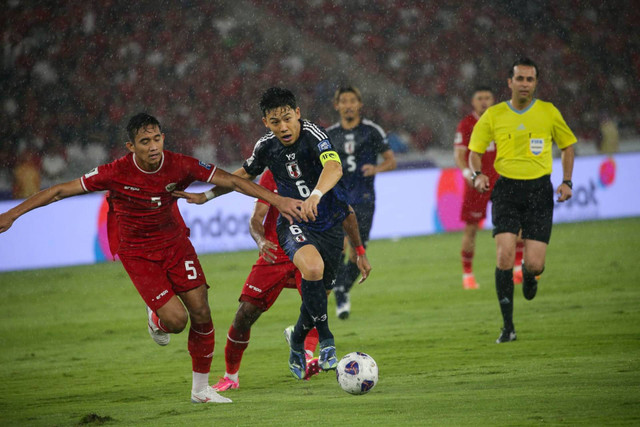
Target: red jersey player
(147,232)
(474,204)
(272,272)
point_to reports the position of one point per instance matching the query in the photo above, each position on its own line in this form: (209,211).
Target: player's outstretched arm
(201,198)
(288,207)
(256,229)
(329,177)
(350,226)
(42,198)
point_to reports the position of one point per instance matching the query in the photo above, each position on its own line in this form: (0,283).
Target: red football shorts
(266,281)
(159,275)
(474,205)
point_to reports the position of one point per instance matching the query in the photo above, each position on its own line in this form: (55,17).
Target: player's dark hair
(347,89)
(276,97)
(481,89)
(524,61)
(140,121)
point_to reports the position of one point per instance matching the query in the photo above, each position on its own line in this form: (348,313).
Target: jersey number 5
(193,274)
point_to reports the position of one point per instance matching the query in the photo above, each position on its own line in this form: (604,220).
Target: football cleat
(328,359)
(313,368)
(469,281)
(208,395)
(287,334)
(506,335)
(530,288)
(226,383)
(297,364)
(517,276)
(159,336)
(343,309)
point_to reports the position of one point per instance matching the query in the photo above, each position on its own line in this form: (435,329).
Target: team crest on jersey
(170,187)
(300,238)
(324,145)
(536,145)
(207,166)
(294,170)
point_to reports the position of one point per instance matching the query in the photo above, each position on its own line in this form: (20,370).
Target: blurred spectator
(609,135)
(26,174)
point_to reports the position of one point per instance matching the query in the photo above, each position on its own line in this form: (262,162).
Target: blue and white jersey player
(306,167)
(359,142)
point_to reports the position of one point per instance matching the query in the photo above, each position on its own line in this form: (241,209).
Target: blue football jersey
(296,169)
(357,147)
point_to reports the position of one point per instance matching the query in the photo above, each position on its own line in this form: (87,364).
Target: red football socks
(201,343)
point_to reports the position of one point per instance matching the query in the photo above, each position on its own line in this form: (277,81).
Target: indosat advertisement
(408,203)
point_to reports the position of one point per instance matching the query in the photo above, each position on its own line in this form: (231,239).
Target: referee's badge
(536,145)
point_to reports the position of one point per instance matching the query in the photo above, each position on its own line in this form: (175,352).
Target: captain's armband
(329,155)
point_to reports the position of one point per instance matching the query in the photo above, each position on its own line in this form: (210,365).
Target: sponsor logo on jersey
(254,288)
(128,187)
(291,156)
(161,294)
(324,145)
(294,170)
(350,137)
(207,166)
(171,187)
(536,145)
(300,238)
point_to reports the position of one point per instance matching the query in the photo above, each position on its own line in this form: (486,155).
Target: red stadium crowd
(69,71)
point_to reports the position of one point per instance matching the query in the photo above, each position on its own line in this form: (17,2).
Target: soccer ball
(357,373)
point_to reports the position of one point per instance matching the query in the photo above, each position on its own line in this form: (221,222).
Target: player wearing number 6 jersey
(305,166)
(147,232)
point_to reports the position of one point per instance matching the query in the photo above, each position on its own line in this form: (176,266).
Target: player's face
(348,106)
(284,122)
(523,83)
(147,147)
(482,100)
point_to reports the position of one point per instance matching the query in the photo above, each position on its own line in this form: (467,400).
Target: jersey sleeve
(199,170)
(463,134)
(255,164)
(99,178)
(381,140)
(561,134)
(267,181)
(322,145)
(482,134)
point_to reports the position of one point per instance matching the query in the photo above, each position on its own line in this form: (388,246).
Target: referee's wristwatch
(475,175)
(568,183)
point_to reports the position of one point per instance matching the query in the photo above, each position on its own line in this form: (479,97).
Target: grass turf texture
(75,347)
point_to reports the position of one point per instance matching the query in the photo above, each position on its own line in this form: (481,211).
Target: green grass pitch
(74,343)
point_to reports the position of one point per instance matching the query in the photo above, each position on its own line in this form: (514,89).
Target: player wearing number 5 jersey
(359,142)
(148,233)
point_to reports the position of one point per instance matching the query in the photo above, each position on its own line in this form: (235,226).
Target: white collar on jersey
(147,172)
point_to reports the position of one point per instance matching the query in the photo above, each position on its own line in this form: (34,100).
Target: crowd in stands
(73,72)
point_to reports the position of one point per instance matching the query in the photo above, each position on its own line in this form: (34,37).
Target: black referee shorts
(523,204)
(328,243)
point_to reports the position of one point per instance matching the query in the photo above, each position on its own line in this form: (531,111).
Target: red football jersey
(463,135)
(143,215)
(270,221)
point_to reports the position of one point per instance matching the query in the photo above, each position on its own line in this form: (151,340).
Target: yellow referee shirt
(523,138)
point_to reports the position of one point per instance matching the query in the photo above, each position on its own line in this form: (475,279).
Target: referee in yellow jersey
(523,129)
